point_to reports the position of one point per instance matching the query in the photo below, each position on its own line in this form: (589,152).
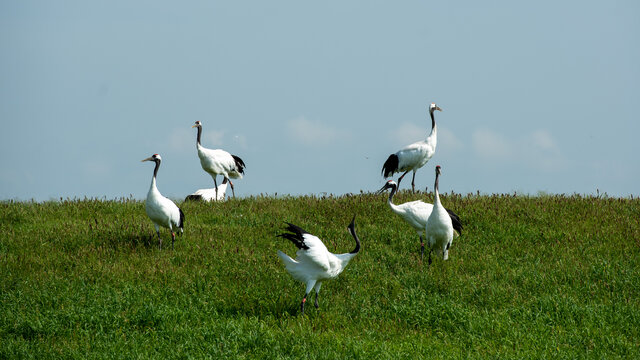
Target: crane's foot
(304,300)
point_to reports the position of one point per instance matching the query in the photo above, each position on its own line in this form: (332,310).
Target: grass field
(530,277)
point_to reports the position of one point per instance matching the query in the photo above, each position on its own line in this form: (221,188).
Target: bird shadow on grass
(135,241)
(277,307)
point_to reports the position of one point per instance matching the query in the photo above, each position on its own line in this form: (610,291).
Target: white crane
(414,156)
(162,211)
(439,226)
(216,194)
(219,162)
(314,263)
(416,213)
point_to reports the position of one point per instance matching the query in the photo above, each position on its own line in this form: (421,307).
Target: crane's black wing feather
(455,220)
(295,235)
(390,166)
(181,224)
(239,164)
(193,197)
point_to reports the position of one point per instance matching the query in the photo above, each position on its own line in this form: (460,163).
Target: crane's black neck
(199,133)
(435,186)
(433,121)
(155,171)
(393,192)
(352,230)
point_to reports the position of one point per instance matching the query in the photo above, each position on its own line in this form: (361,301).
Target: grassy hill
(531,277)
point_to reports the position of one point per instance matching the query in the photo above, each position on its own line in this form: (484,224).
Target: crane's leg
(445,252)
(215,183)
(413,182)
(317,291)
(232,190)
(429,256)
(173,239)
(304,300)
(159,238)
(310,286)
(400,178)
(421,248)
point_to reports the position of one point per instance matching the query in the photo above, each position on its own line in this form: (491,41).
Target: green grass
(531,277)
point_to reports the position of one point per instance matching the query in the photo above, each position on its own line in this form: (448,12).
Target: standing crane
(314,263)
(439,225)
(162,211)
(416,213)
(219,162)
(414,156)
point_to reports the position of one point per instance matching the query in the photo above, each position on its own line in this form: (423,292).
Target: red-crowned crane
(314,263)
(416,213)
(162,211)
(216,194)
(439,225)
(219,162)
(414,156)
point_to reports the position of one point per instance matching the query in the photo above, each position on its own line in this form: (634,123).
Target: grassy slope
(530,277)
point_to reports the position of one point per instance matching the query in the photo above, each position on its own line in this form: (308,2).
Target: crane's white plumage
(439,227)
(162,211)
(314,263)
(416,213)
(215,194)
(219,162)
(413,157)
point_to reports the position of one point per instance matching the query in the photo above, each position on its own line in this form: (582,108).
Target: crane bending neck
(393,192)
(393,206)
(355,237)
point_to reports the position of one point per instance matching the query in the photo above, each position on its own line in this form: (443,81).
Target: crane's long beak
(383,189)
(438,108)
(194,126)
(147,159)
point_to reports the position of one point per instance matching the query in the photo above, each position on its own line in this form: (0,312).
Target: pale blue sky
(537,96)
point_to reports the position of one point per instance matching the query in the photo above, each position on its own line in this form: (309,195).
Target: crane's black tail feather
(181,224)
(455,220)
(239,164)
(295,235)
(390,166)
(193,197)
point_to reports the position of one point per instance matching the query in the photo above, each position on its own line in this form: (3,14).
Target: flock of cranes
(314,263)
(416,213)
